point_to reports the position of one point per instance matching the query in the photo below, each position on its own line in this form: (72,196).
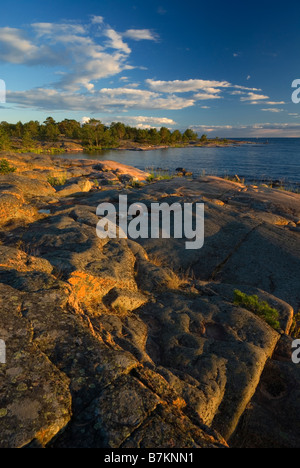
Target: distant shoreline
(71,146)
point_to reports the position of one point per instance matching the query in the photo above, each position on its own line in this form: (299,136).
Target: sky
(221,68)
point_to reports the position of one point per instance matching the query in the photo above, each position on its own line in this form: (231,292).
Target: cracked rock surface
(138,343)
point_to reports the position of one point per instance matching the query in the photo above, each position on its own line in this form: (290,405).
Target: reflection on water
(277,160)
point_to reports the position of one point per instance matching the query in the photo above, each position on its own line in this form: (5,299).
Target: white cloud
(206,96)
(263,130)
(80,59)
(147,122)
(85,120)
(83,63)
(97,19)
(105,100)
(49,29)
(140,34)
(15,47)
(272,109)
(116,41)
(209,89)
(178,86)
(274,103)
(254,97)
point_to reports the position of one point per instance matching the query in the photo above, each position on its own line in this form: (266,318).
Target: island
(70,136)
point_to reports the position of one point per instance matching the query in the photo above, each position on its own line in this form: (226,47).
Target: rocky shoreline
(139,344)
(73,146)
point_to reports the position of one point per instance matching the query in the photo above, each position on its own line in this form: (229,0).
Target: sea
(260,160)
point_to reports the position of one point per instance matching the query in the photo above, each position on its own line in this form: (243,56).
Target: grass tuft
(6,168)
(260,308)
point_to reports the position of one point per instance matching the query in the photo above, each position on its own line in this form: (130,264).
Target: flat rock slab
(213,353)
(35,402)
(143,339)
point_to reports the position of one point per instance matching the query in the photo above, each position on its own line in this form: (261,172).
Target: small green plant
(6,168)
(57,181)
(159,174)
(150,178)
(295,330)
(260,308)
(136,184)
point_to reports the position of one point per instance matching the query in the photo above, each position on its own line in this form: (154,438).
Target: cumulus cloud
(116,41)
(179,86)
(105,100)
(272,109)
(275,103)
(140,35)
(15,47)
(85,120)
(84,57)
(206,96)
(79,59)
(147,122)
(207,89)
(254,97)
(97,19)
(49,29)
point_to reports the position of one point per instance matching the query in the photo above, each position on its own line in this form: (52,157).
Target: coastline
(88,310)
(72,146)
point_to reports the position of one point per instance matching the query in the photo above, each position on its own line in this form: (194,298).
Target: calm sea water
(273,159)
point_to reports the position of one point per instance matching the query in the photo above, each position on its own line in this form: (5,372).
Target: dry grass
(175,280)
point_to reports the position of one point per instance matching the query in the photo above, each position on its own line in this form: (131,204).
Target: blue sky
(223,68)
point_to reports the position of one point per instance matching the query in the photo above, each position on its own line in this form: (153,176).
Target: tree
(27,140)
(4,140)
(176,137)
(18,130)
(118,129)
(70,128)
(165,135)
(32,129)
(190,135)
(154,136)
(87,134)
(50,130)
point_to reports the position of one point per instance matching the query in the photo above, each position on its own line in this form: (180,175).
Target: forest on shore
(92,135)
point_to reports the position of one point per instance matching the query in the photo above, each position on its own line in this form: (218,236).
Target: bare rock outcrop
(121,343)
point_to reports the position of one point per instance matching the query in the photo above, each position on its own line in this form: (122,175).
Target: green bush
(57,181)
(260,308)
(295,331)
(5,167)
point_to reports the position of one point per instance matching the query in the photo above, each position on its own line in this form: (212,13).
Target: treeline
(93,134)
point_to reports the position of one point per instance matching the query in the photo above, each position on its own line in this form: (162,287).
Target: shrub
(295,331)
(260,308)
(57,181)
(5,167)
